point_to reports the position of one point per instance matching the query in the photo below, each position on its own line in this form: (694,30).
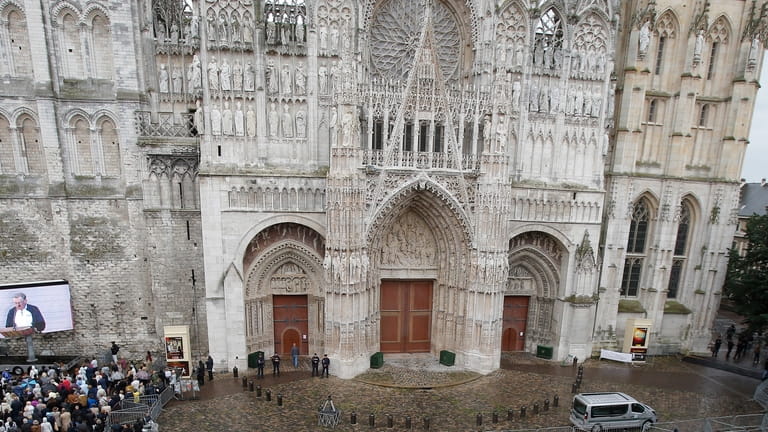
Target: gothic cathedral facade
(363,176)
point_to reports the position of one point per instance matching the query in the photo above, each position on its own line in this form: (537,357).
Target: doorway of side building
(291,323)
(514,322)
(406,316)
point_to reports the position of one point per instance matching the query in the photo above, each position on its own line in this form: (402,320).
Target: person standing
(730,345)
(260,366)
(275,365)
(200,373)
(295,356)
(114,349)
(23,314)
(315,365)
(716,347)
(209,366)
(326,364)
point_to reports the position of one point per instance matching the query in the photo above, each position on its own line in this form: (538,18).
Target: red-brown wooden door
(515,318)
(406,316)
(291,323)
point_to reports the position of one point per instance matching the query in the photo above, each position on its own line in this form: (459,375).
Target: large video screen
(49,300)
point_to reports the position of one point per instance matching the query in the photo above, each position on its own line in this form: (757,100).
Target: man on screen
(24,315)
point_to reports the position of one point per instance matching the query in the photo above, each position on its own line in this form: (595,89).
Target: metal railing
(128,411)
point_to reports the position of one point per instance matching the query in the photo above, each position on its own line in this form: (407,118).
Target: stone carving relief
(289,278)
(409,243)
(284,233)
(395,31)
(268,198)
(511,38)
(230,25)
(285,26)
(541,241)
(548,44)
(176,27)
(590,51)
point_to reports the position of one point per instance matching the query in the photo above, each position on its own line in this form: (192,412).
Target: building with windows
(377,176)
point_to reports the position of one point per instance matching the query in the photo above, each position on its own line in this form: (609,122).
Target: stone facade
(363,176)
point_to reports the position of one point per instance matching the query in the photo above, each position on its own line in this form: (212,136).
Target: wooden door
(406,316)
(515,318)
(291,323)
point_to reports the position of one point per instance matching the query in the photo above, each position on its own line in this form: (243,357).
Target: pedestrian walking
(295,356)
(756,358)
(326,364)
(114,349)
(200,373)
(315,365)
(716,346)
(209,367)
(730,348)
(275,365)
(730,332)
(260,365)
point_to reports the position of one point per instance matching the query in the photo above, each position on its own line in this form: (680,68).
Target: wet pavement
(452,398)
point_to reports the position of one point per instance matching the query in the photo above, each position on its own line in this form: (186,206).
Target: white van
(597,412)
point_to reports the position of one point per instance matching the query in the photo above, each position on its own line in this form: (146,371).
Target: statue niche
(409,243)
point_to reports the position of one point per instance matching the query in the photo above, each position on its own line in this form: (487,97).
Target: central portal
(406,316)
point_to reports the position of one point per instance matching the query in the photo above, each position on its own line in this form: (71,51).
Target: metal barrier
(129,411)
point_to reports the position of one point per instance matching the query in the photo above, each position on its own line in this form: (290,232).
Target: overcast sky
(756,161)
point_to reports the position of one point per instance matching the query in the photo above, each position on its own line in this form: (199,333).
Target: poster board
(637,335)
(177,348)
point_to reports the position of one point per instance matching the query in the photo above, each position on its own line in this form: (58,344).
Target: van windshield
(579,406)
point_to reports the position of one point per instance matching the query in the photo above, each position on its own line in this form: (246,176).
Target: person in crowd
(315,364)
(295,356)
(275,365)
(260,365)
(326,365)
(200,373)
(209,367)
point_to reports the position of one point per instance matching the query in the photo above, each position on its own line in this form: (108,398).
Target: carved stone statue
(223,30)
(272,78)
(174,34)
(274,121)
(199,119)
(247,30)
(248,77)
(698,47)
(213,74)
(287,123)
(350,127)
(285,80)
(163,79)
(226,76)
(194,27)
(301,124)
(271,32)
(644,39)
(516,89)
(322,79)
(754,51)
(227,120)
(235,26)
(237,76)
(239,121)
(178,80)
(211,28)
(322,35)
(250,121)
(194,75)
(215,121)
(301,79)
(299,34)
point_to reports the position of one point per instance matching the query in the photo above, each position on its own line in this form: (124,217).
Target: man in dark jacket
(24,315)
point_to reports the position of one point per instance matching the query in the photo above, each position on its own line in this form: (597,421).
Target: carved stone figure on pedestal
(178,80)
(350,128)
(698,47)
(301,79)
(299,34)
(215,121)
(163,79)
(578,101)
(644,39)
(334,42)
(272,78)
(271,32)
(248,77)
(516,89)
(322,79)
(247,30)
(174,34)
(301,124)
(211,30)
(332,123)
(226,76)
(226,120)
(194,75)
(534,98)
(237,76)
(239,121)
(250,121)
(501,135)
(322,35)
(754,51)
(287,123)
(554,99)
(235,26)
(285,80)
(213,74)
(223,30)
(199,119)
(273,121)
(194,27)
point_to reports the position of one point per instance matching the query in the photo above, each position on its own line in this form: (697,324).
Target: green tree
(746,282)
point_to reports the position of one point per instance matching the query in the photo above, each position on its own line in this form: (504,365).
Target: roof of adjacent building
(754,199)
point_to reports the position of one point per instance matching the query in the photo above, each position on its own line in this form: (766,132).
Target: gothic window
(680,251)
(83,152)
(7,161)
(110,148)
(31,146)
(652,108)
(378,134)
(549,39)
(19,62)
(666,30)
(395,31)
(423,136)
(636,248)
(69,34)
(703,120)
(101,41)
(712,60)
(437,144)
(659,55)
(718,37)
(408,137)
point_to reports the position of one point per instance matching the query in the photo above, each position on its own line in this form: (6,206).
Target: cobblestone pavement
(675,389)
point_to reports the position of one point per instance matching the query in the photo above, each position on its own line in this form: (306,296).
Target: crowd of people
(741,345)
(54,399)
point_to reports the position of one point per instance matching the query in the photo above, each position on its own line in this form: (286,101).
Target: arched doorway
(515,318)
(291,323)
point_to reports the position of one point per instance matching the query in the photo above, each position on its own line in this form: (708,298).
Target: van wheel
(18,370)
(647,426)
(597,428)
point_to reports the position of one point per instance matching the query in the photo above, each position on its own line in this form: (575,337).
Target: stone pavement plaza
(452,398)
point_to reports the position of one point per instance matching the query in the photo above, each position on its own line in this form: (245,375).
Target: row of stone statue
(226,77)
(229,122)
(229,31)
(172,34)
(578,100)
(286,81)
(285,33)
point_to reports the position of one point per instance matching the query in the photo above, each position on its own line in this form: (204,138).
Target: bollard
(234,371)
(390,422)
(250,385)
(546,404)
(279,399)
(479,419)
(426,423)
(510,414)
(407,422)
(371,420)
(258,390)
(353,418)
(245,382)
(535,407)
(269,395)
(556,401)
(495,417)
(522,412)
